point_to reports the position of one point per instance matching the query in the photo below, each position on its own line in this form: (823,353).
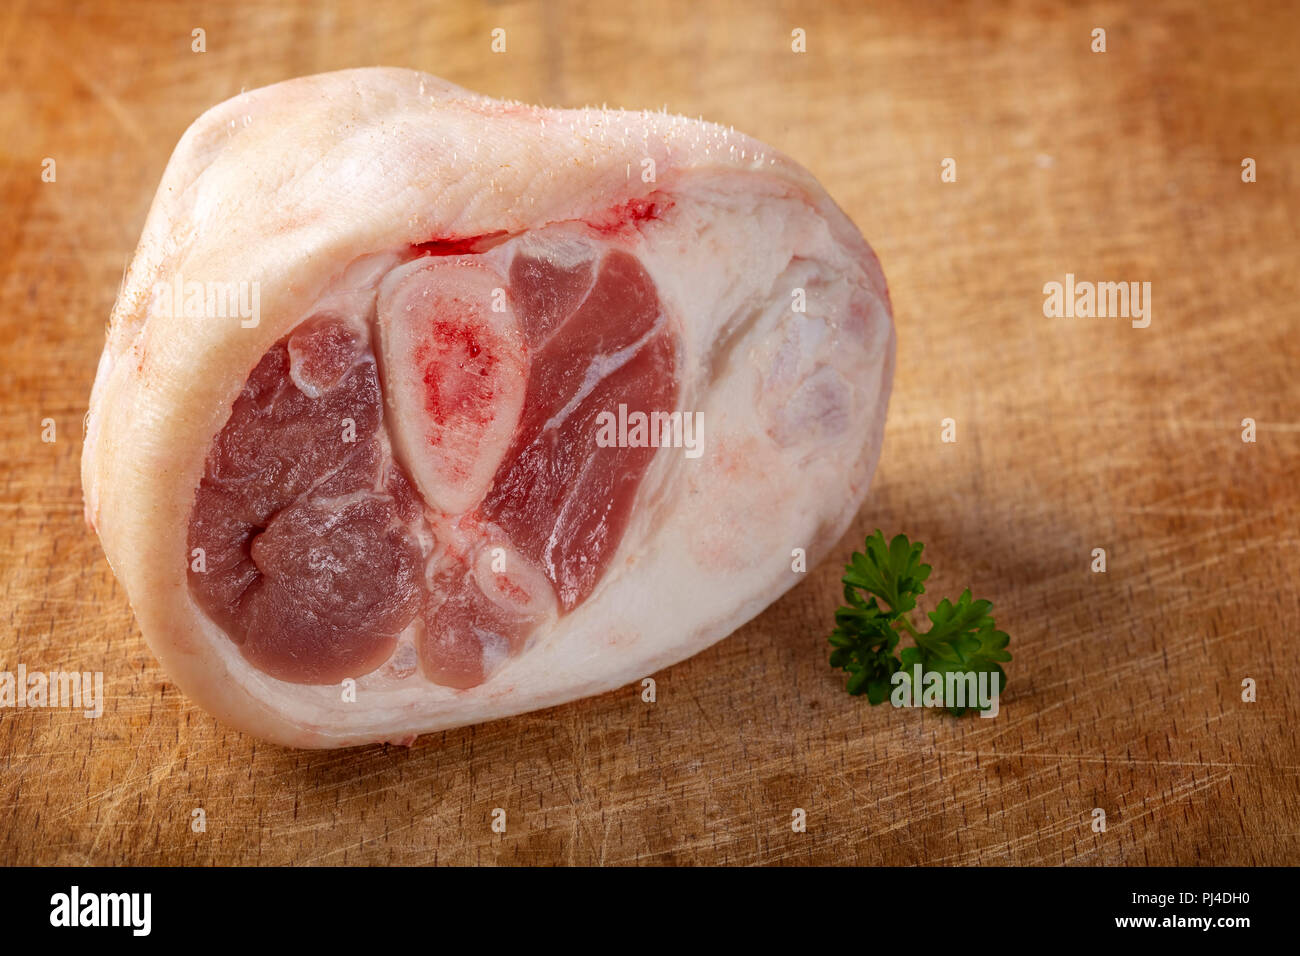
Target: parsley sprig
(961,638)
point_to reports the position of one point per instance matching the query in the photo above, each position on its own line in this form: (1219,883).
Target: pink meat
(563,499)
(309,561)
(312,526)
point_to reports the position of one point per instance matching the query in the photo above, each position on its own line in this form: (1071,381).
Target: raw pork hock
(420,408)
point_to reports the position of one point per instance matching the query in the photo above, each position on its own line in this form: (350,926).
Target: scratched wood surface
(1072,434)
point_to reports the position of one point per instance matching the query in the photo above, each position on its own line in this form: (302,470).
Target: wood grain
(1073,434)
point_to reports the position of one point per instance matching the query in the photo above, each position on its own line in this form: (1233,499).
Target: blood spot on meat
(458,392)
(459,246)
(627,216)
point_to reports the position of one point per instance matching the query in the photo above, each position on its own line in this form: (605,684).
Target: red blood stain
(511,590)
(452,351)
(627,216)
(459,245)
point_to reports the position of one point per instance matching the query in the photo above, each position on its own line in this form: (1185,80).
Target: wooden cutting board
(1072,434)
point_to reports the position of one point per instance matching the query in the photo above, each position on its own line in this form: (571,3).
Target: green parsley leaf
(864,642)
(894,573)
(962,637)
